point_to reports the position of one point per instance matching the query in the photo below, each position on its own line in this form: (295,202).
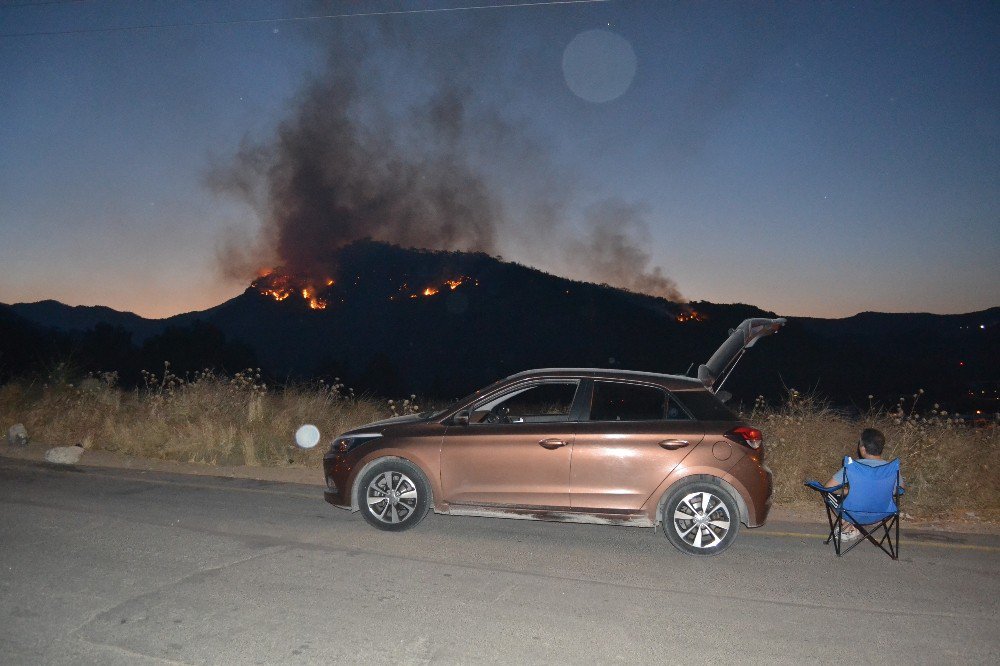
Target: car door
(634,435)
(516,449)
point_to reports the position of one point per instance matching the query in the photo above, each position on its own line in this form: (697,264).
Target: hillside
(394,321)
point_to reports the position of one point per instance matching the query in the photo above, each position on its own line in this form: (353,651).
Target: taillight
(747,436)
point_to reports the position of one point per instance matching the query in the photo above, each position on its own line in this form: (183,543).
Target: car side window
(538,403)
(674,410)
(617,401)
(705,406)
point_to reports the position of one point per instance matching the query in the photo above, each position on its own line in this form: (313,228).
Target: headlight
(349,442)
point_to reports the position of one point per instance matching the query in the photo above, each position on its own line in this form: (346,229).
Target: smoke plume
(612,250)
(353,159)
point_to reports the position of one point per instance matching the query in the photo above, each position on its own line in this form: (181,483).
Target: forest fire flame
(281,287)
(690,315)
(451,284)
(317,293)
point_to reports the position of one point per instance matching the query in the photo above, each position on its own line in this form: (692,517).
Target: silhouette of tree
(195,347)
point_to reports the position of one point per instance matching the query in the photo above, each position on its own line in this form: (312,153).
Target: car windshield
(467,399)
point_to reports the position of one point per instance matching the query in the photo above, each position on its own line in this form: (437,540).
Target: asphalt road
(122,567)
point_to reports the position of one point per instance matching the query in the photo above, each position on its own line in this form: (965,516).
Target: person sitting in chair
(870,446)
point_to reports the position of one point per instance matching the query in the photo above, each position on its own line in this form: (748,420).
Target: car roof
(673,382)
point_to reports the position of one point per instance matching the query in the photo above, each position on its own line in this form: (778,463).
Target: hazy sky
(810,158)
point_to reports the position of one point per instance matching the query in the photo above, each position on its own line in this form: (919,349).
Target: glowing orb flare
(307,436)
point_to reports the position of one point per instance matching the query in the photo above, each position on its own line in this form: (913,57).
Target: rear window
(704,406)
(615,401)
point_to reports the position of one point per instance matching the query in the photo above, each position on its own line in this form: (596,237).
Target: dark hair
(873,440)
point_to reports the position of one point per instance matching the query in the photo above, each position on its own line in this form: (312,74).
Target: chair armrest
(816,485)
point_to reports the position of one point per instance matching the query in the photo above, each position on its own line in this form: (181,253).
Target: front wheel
(393,495)
(700,518)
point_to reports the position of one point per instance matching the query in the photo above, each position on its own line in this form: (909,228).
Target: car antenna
(687,373)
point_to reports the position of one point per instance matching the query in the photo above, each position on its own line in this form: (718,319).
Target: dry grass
(950,467)
(208,419)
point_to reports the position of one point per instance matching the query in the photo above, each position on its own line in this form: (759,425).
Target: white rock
(64,455)
(17,435)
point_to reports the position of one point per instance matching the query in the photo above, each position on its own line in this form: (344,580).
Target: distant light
(961,362)
(982,326)
(307,436)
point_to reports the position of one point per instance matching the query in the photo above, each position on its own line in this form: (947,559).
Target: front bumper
(337,472)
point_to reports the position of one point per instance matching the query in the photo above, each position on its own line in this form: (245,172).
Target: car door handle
(551,444)
(672,444)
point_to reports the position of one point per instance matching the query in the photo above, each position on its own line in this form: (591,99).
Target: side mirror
(462,418)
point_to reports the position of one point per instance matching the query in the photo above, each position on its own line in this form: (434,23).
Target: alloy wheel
(701,519)
(392,497)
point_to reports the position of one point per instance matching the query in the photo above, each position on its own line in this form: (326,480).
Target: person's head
(871,443)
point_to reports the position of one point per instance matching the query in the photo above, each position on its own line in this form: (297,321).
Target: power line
(291,19)
(42,3)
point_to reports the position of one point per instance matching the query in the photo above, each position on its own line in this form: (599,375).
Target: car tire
(690,528)
(393,495)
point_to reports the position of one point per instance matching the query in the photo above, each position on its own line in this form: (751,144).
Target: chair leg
(829,519)
(882,543)
(838,534)
(895,546)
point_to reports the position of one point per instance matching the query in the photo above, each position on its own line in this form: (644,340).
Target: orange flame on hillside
(452,284)
(690,314)
(280,287)
(315,302)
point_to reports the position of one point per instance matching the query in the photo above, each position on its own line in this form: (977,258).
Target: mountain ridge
(397,321)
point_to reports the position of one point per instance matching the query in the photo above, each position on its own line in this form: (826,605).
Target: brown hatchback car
(573,445)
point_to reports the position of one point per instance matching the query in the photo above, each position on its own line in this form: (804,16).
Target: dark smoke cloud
(328,180)
(351,162)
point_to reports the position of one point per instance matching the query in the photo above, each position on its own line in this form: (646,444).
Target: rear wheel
(700,518)
(393,495)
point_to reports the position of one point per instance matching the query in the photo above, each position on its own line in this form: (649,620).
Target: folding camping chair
(871,505)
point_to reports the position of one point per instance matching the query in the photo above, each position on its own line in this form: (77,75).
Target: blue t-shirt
(839,476)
